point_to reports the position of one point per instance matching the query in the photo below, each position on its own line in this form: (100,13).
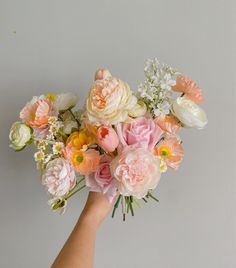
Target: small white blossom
(52,120)
(57,147)
(39,156)
(163,166)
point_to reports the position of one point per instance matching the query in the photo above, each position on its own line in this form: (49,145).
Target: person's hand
(96,209)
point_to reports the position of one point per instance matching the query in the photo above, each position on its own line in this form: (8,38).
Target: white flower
(42,144)
(57,147)
(52,120)
(69,125)
(59,177)
(189,113)
(139,109)
(163,166)
(58,204)
(65,101)
(39,156)
(20,135)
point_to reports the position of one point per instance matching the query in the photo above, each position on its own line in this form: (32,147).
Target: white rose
(189,113)
(20,135)
(65,101)
(109,101)
(139,109)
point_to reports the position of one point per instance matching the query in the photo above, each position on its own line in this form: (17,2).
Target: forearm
(78,251)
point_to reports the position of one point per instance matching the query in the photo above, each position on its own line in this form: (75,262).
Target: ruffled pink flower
(107,138)
(171,151)
(36,114)
(169,123)
(102,180)
(136,170)
(189,87)
(142,131)
(59,177)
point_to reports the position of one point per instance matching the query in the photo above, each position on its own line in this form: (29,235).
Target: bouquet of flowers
(119,143)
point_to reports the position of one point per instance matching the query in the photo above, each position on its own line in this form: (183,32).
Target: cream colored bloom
(39,156)
(65,101)
(138,110)
(57,147)
(109,101)
(189,113)
(20,135)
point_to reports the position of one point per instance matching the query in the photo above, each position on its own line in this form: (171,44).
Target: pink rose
(142,131)
(59,177)
(102,180)
(136,170)
(107,138)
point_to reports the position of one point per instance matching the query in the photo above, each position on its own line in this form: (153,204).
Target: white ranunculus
(69,125)
(65,101)
(189,113)
(20,135)
(139,109)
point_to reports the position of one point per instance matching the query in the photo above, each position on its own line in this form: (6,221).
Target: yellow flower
(51,96)
(78,139)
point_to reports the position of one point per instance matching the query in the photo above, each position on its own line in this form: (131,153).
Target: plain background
(56,46)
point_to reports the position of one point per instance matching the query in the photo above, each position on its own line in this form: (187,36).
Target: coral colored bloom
(37,112)
(102,180)
(169,123)
(189,87)
(142,131)
(109,102)
(102,74)
(84,162)
(136,170)
(171,151)
(107,138)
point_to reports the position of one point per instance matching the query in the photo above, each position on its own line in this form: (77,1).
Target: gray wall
(55,46)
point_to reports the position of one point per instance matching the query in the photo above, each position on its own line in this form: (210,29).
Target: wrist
(89,220)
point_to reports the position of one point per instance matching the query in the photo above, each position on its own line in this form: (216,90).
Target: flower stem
(72,193)
(153,197)
(77,121)
(116,206)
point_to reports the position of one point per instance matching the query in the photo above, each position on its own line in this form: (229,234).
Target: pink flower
(37,112)
(142,131)
(171,151)
(107,138)
(136,170)
(59,177)
(189,88)
(169,123)
(102,74)
(102,180)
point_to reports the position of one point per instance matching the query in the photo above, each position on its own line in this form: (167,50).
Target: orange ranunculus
(171,151)
(78,139)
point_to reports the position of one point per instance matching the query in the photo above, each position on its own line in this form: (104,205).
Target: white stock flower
(189,113)
(20,135)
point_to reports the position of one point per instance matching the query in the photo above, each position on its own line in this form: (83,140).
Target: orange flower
(171,151)
(78,139)
(189,87)
(169,123)
(84,162)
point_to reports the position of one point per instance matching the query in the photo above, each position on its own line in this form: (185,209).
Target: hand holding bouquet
(119,144)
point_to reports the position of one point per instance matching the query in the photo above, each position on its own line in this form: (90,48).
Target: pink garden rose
(142,131)
(136,170)
(58,177)
(102,180)
(37,112)
(107,138)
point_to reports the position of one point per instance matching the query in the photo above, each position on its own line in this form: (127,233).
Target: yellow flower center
(164,151)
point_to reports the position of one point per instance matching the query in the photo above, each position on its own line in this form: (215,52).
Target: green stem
(116,206)
(145,200)
(137,203)
(153,197)
(72,193)
(131,206)
(77,121)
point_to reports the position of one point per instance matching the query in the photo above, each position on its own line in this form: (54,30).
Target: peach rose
(102,74)
(109,102)
(136,170)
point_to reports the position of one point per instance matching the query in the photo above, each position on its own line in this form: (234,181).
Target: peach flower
(102,74)
(109,102)
(136,170)
(189,88)
(107,138)
(171,151)
(78,139)
(142,131)
(168,123)
(37,112)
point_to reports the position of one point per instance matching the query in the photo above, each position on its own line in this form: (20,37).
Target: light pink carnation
(59,177)
(142,131)
(102,180)
(136,170)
